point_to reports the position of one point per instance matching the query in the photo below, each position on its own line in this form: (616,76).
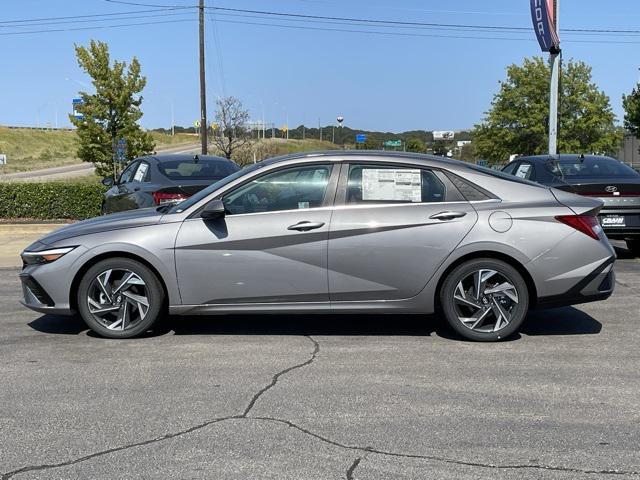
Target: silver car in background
(341,232)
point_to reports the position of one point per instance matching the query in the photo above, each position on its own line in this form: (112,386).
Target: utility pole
(555,58)
(203,93)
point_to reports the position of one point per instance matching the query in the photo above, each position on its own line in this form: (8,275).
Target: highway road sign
(361,138)
(393,143)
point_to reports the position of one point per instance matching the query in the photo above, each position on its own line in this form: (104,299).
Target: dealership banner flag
(544,24)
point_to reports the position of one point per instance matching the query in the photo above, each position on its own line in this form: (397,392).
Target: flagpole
(555,58)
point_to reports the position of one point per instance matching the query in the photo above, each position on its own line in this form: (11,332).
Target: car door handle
(305,226)
(447,215)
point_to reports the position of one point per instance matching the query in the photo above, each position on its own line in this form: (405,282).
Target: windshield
(591,167)
(182,206)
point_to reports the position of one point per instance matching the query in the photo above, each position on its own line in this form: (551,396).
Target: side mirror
(108,181)
(214,209)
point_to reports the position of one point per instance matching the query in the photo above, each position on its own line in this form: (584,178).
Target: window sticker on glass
(523,170)
(392,184)
(141,172)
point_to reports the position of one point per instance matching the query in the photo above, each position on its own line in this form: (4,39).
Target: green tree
(631,104)
(518,120)
(112,112)
(416,145)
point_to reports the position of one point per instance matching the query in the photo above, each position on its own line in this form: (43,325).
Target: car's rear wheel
(634,246)
(484,299)
(120,298)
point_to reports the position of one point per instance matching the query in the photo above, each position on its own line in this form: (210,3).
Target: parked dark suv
(163,179)
(608,179)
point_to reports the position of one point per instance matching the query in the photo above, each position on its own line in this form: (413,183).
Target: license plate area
(613,221)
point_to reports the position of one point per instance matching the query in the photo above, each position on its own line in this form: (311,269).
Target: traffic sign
(121,149)
(76,102)
(196,124)
(393,143)
(481,163)
(361,138)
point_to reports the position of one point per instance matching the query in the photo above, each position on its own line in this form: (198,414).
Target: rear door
(392,227)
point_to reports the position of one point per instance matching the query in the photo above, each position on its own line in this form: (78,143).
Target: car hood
(105,223)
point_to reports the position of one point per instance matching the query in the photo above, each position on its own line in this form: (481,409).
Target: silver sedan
(343,232)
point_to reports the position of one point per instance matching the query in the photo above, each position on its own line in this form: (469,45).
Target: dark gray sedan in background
(161,179)
(605,178)
(344,232)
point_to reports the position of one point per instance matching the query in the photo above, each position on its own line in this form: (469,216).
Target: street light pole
(203,94)
(555,58)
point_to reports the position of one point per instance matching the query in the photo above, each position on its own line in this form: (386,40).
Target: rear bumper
(598,285)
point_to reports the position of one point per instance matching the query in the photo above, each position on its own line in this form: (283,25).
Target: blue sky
(378,82)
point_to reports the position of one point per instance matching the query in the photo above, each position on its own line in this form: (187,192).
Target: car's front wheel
(484,299)
(120,298)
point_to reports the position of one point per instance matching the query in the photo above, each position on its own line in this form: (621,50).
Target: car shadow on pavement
(560,321)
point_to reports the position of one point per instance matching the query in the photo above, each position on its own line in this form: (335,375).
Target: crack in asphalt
(274,380)
(352,468)
(252,402)
(47,466)
(349,474)
(435,458)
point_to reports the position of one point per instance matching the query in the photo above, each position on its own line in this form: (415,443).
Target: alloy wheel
(118,299)
(485,300)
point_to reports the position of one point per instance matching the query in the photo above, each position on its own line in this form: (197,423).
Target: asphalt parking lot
(307,397)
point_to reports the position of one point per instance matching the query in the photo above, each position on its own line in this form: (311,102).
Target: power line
(81,21)
(90,16)
(220,58)
(101,27)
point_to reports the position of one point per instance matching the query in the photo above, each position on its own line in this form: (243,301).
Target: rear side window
(470,191)
(192,169)
(382,184)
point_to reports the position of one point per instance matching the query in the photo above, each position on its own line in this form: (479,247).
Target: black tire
(153,293)
(634,247)
(462,272)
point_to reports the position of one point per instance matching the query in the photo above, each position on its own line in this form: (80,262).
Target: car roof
(374,155)
(562,157)
(167,157)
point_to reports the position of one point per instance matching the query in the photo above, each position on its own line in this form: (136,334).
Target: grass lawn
(31,149)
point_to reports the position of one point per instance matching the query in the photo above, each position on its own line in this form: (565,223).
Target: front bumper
(38,299)
(598,285)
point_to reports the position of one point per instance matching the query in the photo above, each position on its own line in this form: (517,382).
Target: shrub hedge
(50,200)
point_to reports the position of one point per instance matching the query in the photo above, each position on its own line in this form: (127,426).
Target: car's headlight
(44,256)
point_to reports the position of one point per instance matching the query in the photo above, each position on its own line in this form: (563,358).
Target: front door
(270,247)
(395,227)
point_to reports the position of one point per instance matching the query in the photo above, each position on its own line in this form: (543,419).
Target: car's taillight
(161,198)
(586,224)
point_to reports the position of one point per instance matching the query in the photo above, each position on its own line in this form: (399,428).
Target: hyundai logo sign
(611,189)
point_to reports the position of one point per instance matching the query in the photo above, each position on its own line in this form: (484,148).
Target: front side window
(128,173)
(291,189)
(387,184)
